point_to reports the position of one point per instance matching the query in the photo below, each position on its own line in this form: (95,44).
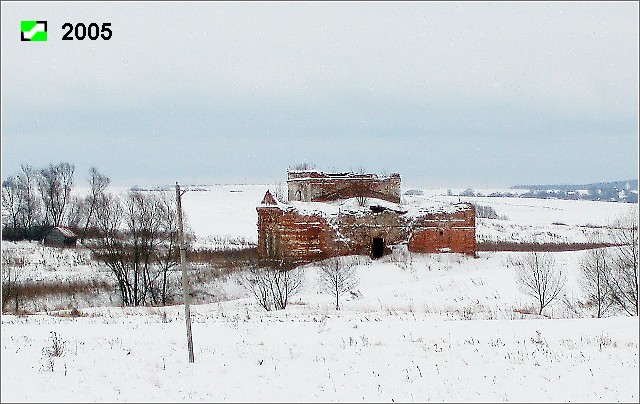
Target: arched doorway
(377,247)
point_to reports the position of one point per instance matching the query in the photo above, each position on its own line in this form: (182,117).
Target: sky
(448,94)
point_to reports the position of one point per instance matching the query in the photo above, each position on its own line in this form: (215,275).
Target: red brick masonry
(315,186)
(301,232)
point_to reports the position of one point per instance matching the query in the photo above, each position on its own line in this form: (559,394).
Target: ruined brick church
(333,214)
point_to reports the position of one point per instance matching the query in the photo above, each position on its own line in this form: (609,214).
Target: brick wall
(313,186)
(297,238)
(445,233)
(362,229)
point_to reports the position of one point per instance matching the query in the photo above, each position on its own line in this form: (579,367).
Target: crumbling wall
(313,186)
(443,232)
(285,234)
(360,230)
(295,238)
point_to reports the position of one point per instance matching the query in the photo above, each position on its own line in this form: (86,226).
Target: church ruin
(334,214)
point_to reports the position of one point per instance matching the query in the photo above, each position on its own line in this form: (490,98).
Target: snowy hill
(420,327)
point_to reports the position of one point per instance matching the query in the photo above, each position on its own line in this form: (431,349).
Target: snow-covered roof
(67,232)
(352,206)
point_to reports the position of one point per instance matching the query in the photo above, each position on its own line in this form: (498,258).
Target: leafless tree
(136,237)
(273,285)
(98,184)
(21,203)
(338,276)
(109,242)
(259,281)
(168,255)
(539,276)
(595,266)
(31,204)
(76,212)
(623,279)
(12,267)
(55,184)
(287,283)
(10,202)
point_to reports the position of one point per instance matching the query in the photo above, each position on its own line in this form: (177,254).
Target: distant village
(615,191)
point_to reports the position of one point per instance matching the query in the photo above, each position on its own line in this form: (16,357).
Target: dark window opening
(441,232)
(377,209)
(377,247)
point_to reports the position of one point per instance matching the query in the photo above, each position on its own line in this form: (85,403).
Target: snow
(224,211)
(421,327)
(414,208)
(292,356)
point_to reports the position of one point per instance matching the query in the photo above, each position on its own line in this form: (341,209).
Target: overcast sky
(447,94)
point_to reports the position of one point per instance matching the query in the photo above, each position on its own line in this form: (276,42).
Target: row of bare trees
(273,283)
(134,234)
(36,199)
(609,276)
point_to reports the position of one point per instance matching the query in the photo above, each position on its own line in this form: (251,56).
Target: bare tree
(539,276)
(108,245)
(623,279)
(21,204)
(169,254)
(98,183)
(259,281)
(272,286)
(55,184)
(338,276)
(287,283)
(136,238)
(76,212)
(12,266)
(595,266)
(10,203)
(30,203)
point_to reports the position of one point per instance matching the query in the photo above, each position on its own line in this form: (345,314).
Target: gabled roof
(268,199)
(67,232)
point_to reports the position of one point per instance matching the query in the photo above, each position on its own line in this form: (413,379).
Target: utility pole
(185,280)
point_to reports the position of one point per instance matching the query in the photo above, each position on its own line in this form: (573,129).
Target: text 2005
(81,31)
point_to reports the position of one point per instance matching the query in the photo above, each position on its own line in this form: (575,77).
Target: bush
(272,286)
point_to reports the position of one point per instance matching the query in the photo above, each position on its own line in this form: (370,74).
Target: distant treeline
(617,185)
(38,199)
(615,191)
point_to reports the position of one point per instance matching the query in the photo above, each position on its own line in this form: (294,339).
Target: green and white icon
(33,31)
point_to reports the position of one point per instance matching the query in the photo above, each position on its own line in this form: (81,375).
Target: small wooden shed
(61,237)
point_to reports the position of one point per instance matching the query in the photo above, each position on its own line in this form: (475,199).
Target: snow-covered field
(423,328)
(230,210)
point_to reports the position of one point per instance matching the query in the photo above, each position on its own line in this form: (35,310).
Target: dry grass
(224,258)
(33,290)
(30,291)
(549,247)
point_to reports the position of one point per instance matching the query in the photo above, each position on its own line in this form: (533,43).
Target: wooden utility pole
(185,280)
